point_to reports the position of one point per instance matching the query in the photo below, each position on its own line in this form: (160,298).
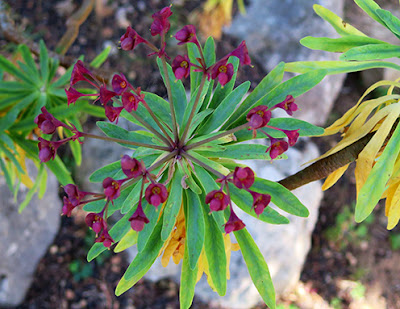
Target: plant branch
(117,140)
(322,168)
(73,23)
(163,160)
(198,162)
(170,99)
(192,112)
(215,137)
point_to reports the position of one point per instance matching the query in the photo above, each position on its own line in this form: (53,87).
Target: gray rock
(284,247)
(273,29)
(25,237)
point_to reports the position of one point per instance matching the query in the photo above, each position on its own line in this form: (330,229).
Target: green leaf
(218,167)
(371,52)
(152,214)
(177,90)
(337,67)
(226,107)
(132,199)
(195,77)
(173,205)
(240,152)
(9,67)
(214,247)
(198,119)
(42,184)
(209,52)
(27,55)
(100,58)
(268,83)
(127,241)
(370,7)
(108,170)
(188,281)
(12,87)
(59,169)
(115,131)
(32,190)
(4,138)
(391,21)
(195,232)
(44,62)
(244,201)
(159,106)
(64,79)
(189,181)
(306,129)
(8,120)
(6,174)
(375,185)
(11,157)
(281,197)
(149,253)
(221,92)
(75,145)
(257,267)
(337,23)
(339,45)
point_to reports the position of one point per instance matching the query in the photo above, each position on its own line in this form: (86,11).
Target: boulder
(25,237)
(272,31)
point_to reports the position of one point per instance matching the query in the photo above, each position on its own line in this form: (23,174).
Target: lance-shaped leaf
(127,241)
(188,281)
(371,52)
(370,7)
(391,21)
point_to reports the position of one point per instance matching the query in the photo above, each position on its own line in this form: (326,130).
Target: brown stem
(322,168)
(73,23)
(215,172)
(158,123)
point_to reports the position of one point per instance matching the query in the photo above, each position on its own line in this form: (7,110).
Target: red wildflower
(112,188)
(277,147)
(48,123)
(243,177)
(187,34)
(242,53)
(217,199)
(95,221)
(131,167)
(161,23)
(258,117)
(130,101)
(223,71)
(131,39)
(47,149)
(68,207)
(181,66)
(156,194)
(138,219)
(105,238)
(112,113)
(288,105)
(79,73)
(260,201)
(234,223)
(106,95)
(119,83)
(292,135)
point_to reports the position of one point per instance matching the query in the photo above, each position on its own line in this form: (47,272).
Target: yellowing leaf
(334,177)
(394,210)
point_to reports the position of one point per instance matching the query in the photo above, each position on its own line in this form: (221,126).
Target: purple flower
(68,207)
(258,117)
(79,73)
(288,105)
(138,219)
(112,188)
(131,39)
(243,177)
(234,223)
(217,199)
(105,238)
(106,95)
(130,101)
(242,53)
(95,221)
(181,66)
(131,167)
(112,113)
(161,23)
(223,71)
(156,194)
(277,147)
(48,123)
(292,135)
(186,35)
(260,201)
(119,83)
(47,149)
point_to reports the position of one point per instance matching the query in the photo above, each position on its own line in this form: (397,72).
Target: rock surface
(25,237)
(284,247)
(272,31)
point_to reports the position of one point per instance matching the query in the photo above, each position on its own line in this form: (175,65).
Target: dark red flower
(258,117)
(288,105)
(260,201)
(95,221)
(112,113)
(112,188)
(187,34)
(73,95)
(68,207)
(242,53)
(131,167)
(243,177)
(105,238)
(277,147)
(130,101)
(79,73)
(181,66)
(223,71)
(47,149)
(74,194)
(48,123)
(119,83)
(292,135)
(106,95)
(217,199)
(131,39)
(161,23)
(156,194)
(234,223)
(138,219)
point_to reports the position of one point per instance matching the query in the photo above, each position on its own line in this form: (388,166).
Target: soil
(65,280)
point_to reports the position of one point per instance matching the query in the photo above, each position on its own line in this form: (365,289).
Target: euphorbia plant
(178,189)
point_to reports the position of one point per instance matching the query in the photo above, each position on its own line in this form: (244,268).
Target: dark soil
(65,280)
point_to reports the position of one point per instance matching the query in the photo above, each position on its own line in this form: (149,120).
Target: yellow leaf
(334,177)
(394,210)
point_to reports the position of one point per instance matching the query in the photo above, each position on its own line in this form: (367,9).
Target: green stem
(192,112)
(215,137)
(170,98)
(117,140)
(151,129)
(163,160)
(158,123)
(198,162)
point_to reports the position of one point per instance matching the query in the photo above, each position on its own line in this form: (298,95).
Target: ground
(349,265)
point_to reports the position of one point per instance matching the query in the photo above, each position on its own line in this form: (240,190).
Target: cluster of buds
(48,124)
(221,70)
(259,118)
(242,178)
(130,96)
(155,194)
